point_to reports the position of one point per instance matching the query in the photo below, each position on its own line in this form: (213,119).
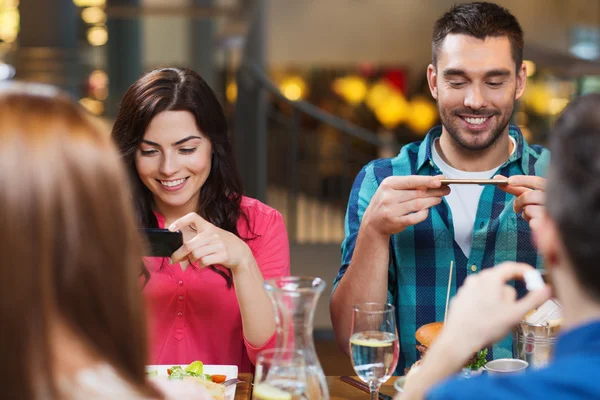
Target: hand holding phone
(161,242)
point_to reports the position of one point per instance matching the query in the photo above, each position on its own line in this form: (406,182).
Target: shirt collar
(159,219)
(520,154)
(577,340)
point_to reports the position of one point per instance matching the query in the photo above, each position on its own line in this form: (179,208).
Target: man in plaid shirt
(403,227)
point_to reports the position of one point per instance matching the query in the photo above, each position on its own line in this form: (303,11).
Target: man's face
(476,86)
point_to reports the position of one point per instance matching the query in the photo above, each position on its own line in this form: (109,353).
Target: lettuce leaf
(480,360)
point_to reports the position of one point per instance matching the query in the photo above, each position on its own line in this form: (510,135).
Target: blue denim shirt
(573,374)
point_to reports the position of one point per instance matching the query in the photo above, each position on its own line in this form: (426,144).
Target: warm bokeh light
(97,36)
(530,67)
(100,93)
(98,85)
(231,92)
(378,94)
(95,107)
(90,3)
(98,78)
(557,105)
(548,97)
(93,15)
(352,88)
(293,87)
(393,110)
(537,97)
(9,20)
(422,115)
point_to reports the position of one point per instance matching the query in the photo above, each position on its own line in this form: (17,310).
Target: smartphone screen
(161,242)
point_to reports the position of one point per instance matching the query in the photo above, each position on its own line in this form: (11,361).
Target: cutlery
(233,381)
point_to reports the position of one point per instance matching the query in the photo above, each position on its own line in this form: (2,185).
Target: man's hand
(530,193)
(486,307)
(402,201)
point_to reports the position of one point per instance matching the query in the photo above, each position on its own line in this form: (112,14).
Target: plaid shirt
(420,255)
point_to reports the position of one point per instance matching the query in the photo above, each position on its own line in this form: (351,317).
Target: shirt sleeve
(477,388)
(271,251)
(271,247)
(364,188)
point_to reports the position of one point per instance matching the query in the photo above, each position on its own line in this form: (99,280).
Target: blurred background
(313,90)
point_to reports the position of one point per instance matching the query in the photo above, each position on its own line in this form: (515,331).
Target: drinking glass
(374,344)
(280,375)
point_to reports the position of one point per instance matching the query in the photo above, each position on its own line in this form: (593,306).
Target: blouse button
(179,314)
(180,298)
(180,283)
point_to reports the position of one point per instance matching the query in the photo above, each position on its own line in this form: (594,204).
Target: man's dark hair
(573,191)
(479,20)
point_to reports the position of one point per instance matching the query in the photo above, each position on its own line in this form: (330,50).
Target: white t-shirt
(463,199)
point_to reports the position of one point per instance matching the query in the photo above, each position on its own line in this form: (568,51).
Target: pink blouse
(192,313)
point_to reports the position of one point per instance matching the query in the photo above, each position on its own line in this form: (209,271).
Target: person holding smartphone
(404,226)
(206,301)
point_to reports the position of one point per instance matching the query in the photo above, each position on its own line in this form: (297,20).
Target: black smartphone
(161,242)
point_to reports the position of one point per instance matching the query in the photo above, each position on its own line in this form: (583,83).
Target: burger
(427,334)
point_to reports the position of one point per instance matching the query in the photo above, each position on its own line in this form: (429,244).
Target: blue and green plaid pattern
(420,256)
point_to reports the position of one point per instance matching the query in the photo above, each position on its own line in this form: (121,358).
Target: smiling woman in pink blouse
(206,302)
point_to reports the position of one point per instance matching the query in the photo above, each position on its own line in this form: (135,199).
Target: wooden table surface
(338,390)
(243,391)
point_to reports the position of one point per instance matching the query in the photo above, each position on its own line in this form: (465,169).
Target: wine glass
(280,375)
(374,344)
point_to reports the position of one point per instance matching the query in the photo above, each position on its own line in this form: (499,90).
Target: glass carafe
(295,299)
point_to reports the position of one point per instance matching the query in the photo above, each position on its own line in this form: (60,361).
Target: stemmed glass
(280,375)
(374,344)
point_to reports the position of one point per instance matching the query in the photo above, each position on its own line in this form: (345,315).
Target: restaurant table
(338,390)
(244,391)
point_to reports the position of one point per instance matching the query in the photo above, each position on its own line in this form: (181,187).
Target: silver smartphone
(474,182)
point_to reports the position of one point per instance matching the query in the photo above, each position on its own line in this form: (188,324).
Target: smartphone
(161,242)
(474,182)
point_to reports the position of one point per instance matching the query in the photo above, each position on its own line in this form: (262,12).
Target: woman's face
(174,161)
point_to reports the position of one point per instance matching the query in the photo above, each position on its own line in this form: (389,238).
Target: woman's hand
(211,245)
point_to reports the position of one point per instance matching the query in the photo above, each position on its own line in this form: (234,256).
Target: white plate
(231,371)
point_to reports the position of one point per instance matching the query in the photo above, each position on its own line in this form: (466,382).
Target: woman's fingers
(192,219)
(200,254)
(200,240)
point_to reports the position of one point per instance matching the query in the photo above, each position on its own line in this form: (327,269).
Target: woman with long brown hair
(72,321)
(206,302)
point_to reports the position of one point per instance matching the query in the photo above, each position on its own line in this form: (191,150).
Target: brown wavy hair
(70,252)
(181,89)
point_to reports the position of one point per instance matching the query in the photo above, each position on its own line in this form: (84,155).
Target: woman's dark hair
(181,89)
(573,190)
(480,20)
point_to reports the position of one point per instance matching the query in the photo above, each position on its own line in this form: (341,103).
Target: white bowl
(399,384)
